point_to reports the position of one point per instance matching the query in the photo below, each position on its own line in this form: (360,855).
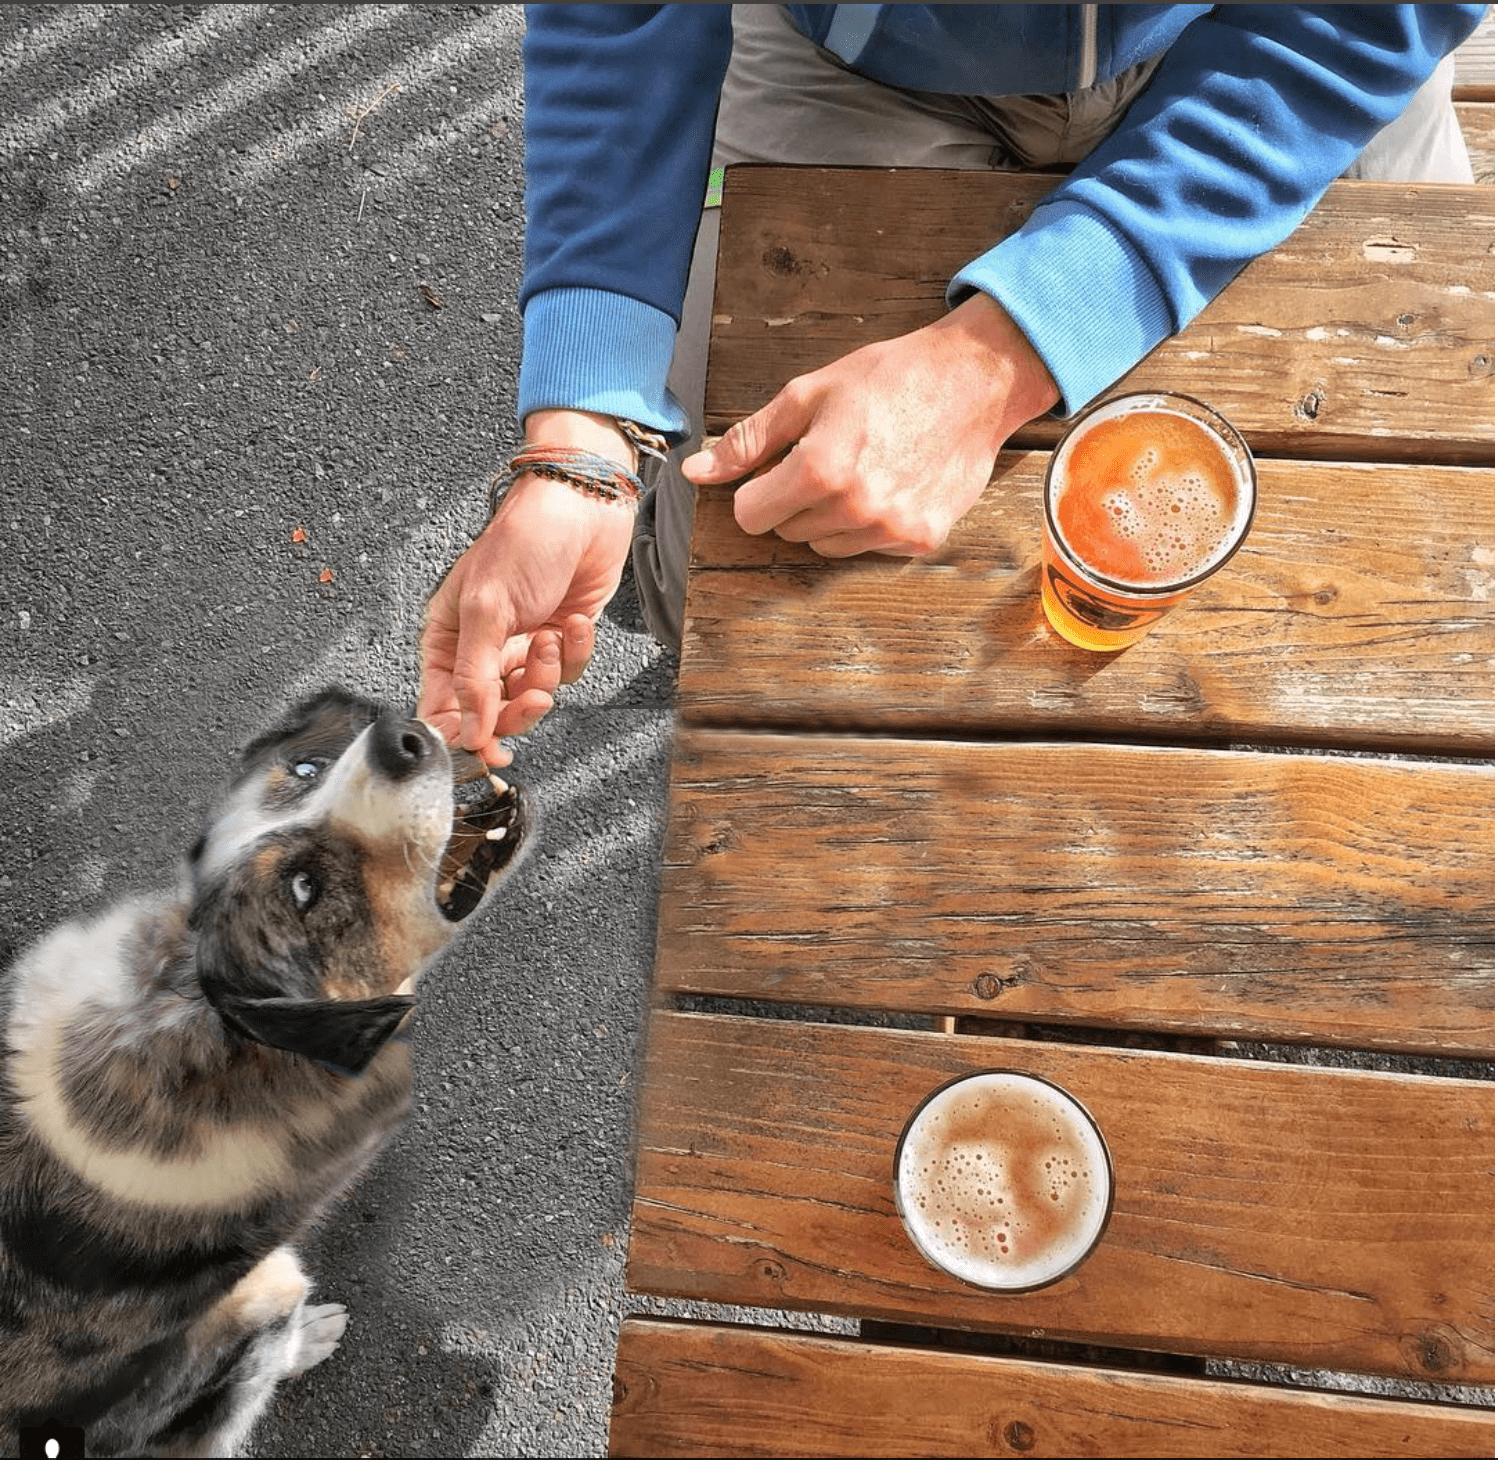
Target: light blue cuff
(592,350)
(1080,292)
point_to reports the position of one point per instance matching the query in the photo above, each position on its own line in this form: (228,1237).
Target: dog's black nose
(400,747)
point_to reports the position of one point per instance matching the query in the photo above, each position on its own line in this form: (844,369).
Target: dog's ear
(343,1035)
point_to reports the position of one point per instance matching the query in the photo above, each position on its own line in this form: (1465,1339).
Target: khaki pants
(786,101)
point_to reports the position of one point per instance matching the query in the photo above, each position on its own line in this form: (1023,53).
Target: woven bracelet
(652,443)
(587,472)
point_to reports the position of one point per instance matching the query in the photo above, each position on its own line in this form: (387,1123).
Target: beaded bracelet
(585,471)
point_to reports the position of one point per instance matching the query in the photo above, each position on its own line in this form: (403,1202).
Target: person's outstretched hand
(515,616)
(888,446)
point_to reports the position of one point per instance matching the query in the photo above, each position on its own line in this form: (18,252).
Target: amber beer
(1003,1180)
(1145,497)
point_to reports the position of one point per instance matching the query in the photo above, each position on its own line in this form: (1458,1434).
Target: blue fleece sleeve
(1251,115)
(620,105)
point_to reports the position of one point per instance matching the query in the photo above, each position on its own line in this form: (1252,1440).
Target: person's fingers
(543,661)
(554,657)
(478,681)
(832,536)
(754,440)
(900,531)
(494,754)
(522,714)
(530,687)
(850,544)
(578,636)
(461,672)
(437,703)
(794,488)
(512,665)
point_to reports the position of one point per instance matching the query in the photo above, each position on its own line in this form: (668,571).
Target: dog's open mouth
(488,827)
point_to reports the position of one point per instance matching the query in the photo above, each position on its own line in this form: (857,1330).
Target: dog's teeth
(500,786)
(445,890)
(495,834)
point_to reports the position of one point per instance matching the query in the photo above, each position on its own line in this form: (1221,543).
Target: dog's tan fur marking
(264,861)
(405,930)
(241,822)
(408,931)
(233,1164)
(268,1291)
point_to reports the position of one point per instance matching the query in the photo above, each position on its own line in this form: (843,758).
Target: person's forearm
(619,108)
(1215,164)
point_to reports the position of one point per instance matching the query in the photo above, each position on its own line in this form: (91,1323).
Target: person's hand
(515,616)
(889,446)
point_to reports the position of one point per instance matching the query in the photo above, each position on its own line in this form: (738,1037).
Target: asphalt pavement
(258,267)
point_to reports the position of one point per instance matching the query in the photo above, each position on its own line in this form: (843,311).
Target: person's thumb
(749,443)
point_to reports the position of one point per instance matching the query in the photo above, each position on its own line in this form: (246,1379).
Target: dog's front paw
(316,1334)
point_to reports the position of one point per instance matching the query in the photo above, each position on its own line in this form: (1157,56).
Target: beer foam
(1175,520)
(1003,1180)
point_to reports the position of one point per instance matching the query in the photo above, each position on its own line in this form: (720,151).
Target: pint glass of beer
(1003,1180)
(1145,497)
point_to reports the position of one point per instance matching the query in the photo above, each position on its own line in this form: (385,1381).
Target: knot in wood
(1435,1353)
(1019,1436)
(986,986)
(780,260)
(1308,407)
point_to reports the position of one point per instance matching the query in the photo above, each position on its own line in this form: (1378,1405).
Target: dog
(188,1081)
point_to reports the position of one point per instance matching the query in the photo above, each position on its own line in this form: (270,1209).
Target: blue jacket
(1253,111)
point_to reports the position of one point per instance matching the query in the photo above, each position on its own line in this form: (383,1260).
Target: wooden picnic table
(1231,887)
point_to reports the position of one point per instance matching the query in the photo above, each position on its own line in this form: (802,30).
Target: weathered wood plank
(1474,63)
(1367,335)
(1360,613)
(687,1389)
(1476,118)
(1334,1219)
(1316,899)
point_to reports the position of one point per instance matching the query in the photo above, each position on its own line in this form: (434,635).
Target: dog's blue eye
(304,890)
(307,770)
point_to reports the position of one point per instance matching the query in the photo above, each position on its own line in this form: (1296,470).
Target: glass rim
(1070,1099)
(1149,592)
